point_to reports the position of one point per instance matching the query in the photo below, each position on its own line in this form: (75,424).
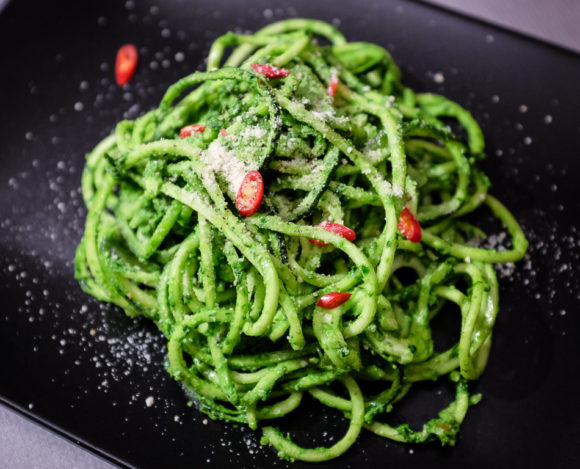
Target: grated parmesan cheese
(255,131)
(319,115)
(221,160)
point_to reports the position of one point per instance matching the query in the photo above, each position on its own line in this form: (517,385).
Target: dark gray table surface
(553,21)
(25,444)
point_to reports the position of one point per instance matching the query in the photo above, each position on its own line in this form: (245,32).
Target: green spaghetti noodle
(237,297)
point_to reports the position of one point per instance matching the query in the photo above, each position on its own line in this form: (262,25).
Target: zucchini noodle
(237,297)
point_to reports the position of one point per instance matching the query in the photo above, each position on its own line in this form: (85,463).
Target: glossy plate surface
(86,371)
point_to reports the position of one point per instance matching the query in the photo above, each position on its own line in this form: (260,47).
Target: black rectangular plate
(86,371)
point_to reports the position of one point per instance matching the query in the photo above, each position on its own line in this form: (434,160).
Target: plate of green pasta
(294,249)
(260,216)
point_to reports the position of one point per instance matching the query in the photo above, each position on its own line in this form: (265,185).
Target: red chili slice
(332,84)
(189,130)
(342,230)
(269,71)
(126,64)
(332,300)
(409,226)
(224,132)
(250,194)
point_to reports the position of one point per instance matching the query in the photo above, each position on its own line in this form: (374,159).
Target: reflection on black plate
(91,373)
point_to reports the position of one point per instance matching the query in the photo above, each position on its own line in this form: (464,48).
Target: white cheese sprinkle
(319,115)
(220,159)
(255,131)
(439,78)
